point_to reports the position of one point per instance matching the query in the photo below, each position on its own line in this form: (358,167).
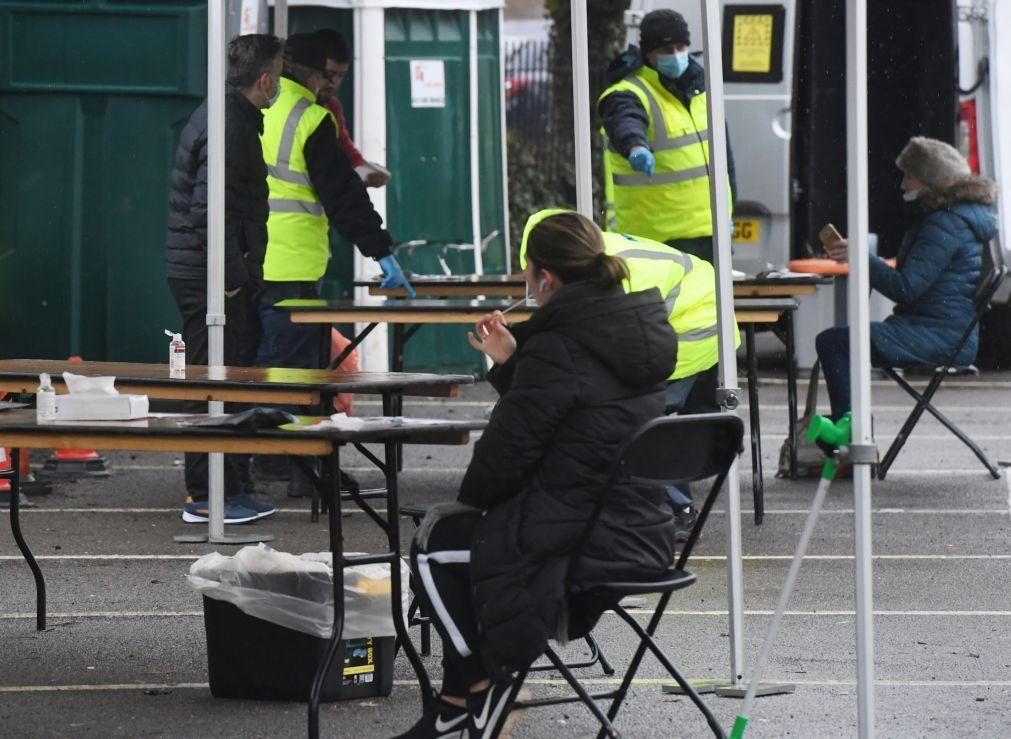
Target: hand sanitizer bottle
(45,400)
(177,355)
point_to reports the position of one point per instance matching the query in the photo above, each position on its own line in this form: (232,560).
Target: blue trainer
(261,508)
(197,513)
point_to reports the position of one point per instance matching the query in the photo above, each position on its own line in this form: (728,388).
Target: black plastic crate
(253,659)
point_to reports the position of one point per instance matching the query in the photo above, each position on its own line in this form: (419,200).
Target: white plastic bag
(297,592)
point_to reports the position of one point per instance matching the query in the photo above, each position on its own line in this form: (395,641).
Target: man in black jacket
(254,68)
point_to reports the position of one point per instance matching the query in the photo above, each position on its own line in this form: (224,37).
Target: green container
(93,97)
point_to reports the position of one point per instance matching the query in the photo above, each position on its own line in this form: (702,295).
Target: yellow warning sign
(752,43)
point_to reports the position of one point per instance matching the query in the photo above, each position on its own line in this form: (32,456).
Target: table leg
(26,552)
(335,648)
(396,583)
(791,393)
(758,490)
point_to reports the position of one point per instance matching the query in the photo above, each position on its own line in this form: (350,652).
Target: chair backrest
(994,272)
(679,449)
(673,450)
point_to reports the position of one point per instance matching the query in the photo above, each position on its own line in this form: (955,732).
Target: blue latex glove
(642,160)
(394,275)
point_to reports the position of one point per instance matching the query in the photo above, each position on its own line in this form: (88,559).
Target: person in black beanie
(656,162)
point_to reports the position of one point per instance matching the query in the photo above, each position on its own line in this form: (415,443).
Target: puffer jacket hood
(972,189)
(624,332)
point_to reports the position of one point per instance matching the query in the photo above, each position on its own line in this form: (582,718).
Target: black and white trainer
(440,720)
(490,708)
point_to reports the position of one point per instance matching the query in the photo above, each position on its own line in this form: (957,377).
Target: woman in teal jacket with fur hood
(937,270)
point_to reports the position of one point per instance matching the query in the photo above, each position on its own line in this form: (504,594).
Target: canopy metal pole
(859,330)
(719,197)
(281,18)
(580,114)
(475,149)
(216,242)
(216,74)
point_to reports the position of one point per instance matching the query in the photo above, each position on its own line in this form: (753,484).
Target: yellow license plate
(746,231)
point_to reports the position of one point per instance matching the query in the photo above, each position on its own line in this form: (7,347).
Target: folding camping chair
(994,273)
(665,451)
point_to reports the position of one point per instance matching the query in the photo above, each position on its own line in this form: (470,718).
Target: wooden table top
(20,428)
(383,310)
(252,384)
(514,286)
(427,310)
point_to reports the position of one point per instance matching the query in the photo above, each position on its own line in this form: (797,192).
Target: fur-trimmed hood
(971,189)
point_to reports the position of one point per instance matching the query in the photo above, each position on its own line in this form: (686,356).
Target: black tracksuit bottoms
(441,572)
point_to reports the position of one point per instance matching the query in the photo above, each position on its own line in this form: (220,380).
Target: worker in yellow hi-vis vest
(311,186)
(656,158)
(688,286)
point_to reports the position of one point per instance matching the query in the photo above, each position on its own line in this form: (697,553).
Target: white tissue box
(82,407)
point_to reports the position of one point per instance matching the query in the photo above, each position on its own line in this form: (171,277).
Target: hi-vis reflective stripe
(674,256)
(671,299)
(279,205)
(678,142)
(294,178)
(663,140)
(699,334)
(664,178)
(282,170)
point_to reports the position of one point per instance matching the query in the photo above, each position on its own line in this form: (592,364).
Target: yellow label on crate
(752,43)
(359,657)
(746,230)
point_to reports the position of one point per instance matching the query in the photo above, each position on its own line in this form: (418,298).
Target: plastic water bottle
(45,399)
(177,354)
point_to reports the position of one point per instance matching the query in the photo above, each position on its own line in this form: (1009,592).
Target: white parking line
(697,558)
(833,614)
(634,611)
(105,614)
(112,687)
(348,510)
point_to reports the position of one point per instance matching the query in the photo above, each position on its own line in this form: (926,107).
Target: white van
(935,69)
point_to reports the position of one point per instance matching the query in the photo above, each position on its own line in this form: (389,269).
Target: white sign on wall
(249,22)
(428,83)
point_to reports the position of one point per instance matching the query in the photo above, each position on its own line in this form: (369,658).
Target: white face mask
(910,195)
(273,98)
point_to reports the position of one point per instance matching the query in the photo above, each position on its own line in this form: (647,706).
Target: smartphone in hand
(829,235)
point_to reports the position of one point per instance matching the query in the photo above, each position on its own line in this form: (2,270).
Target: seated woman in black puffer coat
(575,380)
(936,274)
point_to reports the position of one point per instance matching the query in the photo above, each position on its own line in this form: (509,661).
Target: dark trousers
(686,396)
(833,346)
(700,246)
(241,329)
(287,344)
(441,571)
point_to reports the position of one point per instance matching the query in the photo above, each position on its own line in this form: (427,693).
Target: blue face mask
(672,65)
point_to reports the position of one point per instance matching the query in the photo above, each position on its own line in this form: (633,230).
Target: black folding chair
(665,451)
(993,275)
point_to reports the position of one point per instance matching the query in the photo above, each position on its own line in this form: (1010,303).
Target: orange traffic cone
(76,462)
(7,472)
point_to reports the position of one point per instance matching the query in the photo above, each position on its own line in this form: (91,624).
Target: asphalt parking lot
(125,654)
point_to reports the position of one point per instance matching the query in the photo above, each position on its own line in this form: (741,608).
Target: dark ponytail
(572,247)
